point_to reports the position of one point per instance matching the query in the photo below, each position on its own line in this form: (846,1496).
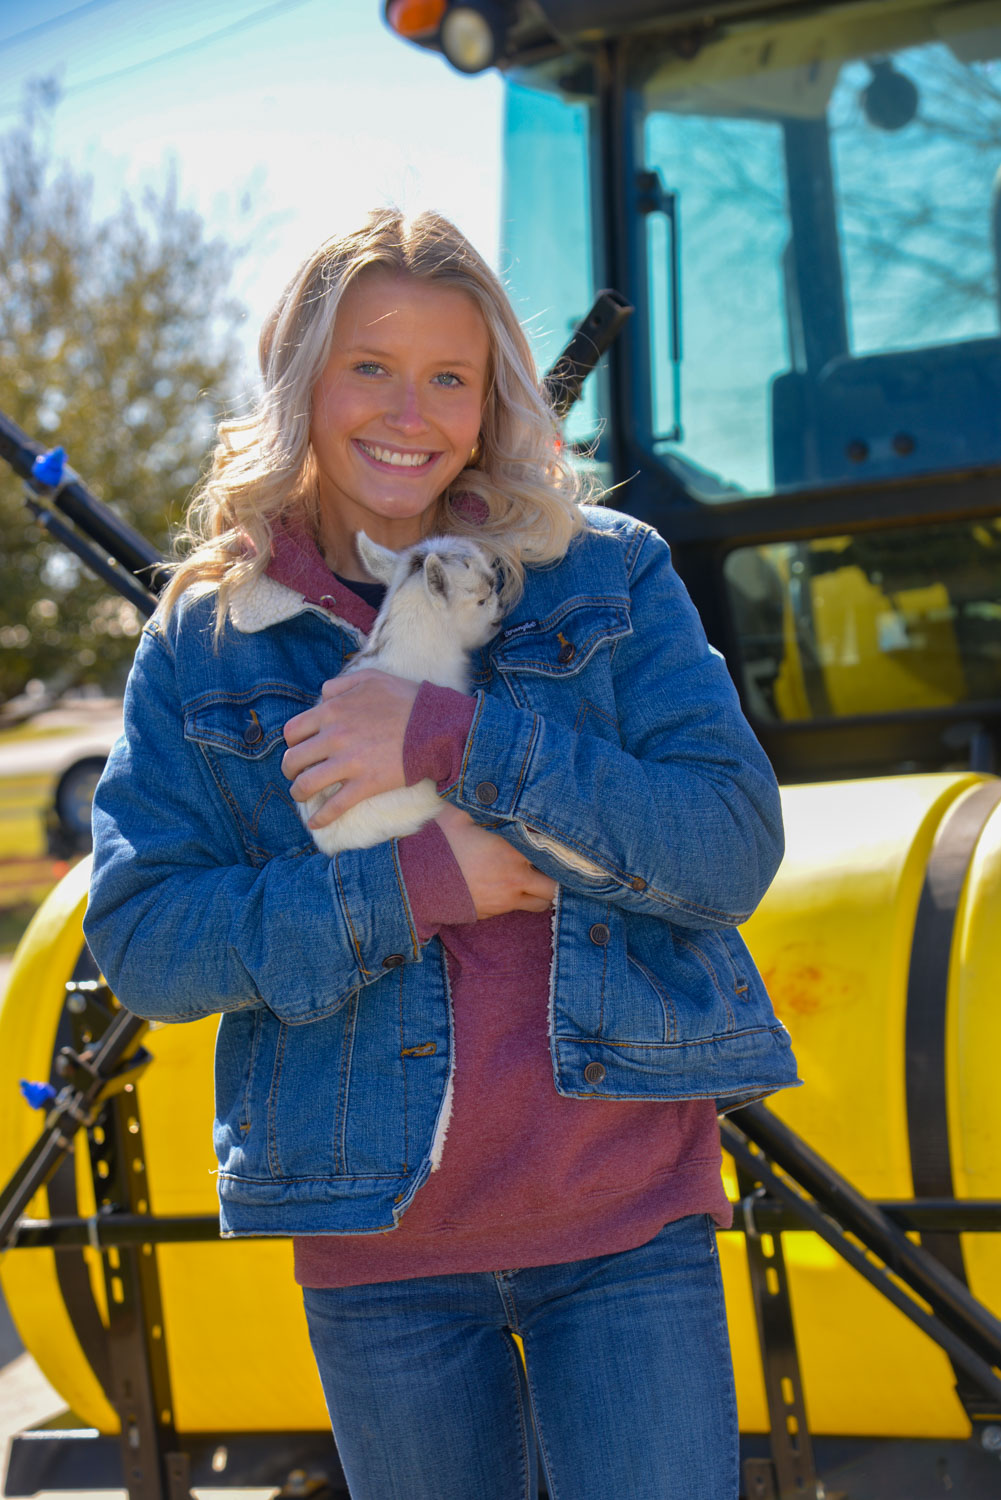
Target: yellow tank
(833,941)
(237,1345)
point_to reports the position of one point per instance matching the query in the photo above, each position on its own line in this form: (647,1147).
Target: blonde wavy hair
(263,475)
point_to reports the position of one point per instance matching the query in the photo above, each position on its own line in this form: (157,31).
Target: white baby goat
(441,603)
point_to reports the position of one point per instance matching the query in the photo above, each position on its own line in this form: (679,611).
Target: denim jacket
(607,744)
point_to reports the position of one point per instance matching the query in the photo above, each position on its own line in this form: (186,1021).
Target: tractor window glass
(916,148)
(710,408)
(545,230)
(874,623)
(832,178)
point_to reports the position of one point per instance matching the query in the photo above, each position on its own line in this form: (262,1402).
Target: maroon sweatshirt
(527,1177)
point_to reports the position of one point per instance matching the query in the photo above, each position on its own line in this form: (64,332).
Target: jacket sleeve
(682,818)
(182,927)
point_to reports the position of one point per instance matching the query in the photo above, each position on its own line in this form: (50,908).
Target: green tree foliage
(117,341)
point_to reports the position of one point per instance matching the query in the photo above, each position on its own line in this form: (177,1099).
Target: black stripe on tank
(927,1006)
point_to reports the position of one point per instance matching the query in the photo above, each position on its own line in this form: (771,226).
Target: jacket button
(393,961)
(253,733)
(567,653)
(594,1072)
(487,793)
(599,934)
(637,883)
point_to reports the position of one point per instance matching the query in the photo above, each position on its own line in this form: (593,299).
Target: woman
(502,1041)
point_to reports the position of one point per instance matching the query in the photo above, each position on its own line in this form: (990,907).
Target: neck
(348,568)
(339,555)
(335,538)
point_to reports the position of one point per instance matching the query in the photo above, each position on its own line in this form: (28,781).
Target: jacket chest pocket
(570,652)
(241,737)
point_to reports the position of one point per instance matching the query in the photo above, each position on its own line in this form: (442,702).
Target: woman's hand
(499,878)
(354,738)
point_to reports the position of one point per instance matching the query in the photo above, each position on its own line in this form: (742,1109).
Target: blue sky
(310,107)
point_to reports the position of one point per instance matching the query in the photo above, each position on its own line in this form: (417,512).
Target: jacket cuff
(436,735)
(438,894)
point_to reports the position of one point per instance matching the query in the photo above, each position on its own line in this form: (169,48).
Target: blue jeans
(627,1385)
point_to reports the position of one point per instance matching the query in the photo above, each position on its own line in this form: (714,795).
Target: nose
(406,414)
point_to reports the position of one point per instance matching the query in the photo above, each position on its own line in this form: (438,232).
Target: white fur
(444,1120)
(441,603)
(568,856)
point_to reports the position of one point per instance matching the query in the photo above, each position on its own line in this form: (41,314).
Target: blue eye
(449,379)
(368,367)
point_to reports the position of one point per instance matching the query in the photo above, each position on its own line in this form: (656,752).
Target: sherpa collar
(297,579)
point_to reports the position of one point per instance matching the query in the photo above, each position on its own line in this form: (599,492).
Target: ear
(435,578)
(378,561)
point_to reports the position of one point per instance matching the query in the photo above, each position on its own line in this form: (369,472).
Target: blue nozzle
(38,1095)
(48,468)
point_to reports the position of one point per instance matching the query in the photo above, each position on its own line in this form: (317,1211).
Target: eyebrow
(370,350)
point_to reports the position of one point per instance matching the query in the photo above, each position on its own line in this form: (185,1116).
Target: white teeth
(400,460)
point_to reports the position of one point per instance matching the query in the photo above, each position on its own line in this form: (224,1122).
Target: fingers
(304,726)
(336,687)
(316,764)
(352,738)
(300,757)
(540,886)
(342,796)
(535,903)
(323,719)
(498,876)
(348,782)
(499,901)
(366,694)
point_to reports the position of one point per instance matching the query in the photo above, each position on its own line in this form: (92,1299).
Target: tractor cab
(802,203)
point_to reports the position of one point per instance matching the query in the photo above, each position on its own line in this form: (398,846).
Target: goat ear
(435,578)
(378,561)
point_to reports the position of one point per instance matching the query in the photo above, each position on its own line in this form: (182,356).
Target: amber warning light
(416,18)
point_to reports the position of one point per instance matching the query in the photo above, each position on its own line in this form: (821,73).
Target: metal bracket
(748,1203)
(178,1476)
(153,1467)
(905,1273)
(759,1479)
(140,1383)
(791,1474)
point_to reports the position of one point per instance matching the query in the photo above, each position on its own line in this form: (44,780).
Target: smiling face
(396,411)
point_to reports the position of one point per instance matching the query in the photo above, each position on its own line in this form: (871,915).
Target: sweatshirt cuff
(436,735)
(439,896)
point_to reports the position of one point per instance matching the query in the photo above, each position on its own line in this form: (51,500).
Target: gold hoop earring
(474,455)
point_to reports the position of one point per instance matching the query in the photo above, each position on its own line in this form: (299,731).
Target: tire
(73,798)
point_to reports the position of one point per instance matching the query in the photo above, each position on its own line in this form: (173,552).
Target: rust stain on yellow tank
(801,982)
